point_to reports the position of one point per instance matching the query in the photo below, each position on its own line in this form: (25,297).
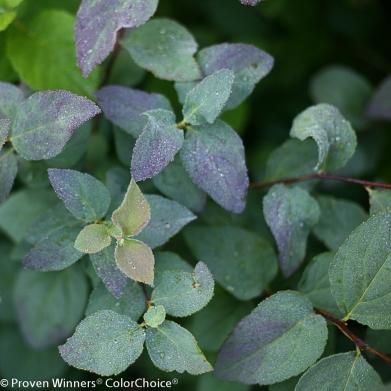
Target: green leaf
(93,238)
(43,54)
(315,284)
(8,171)
(360,273)
(332,132)
(105,343)
(205,102)
(241,261)
(19,211)
(208,382)
(216,321)
(134,213)
(167,219)
(6,18)
(131,303)
(175,183)
(168,261)
(338,218)
(287,385)
(49,305)
(5,125)
(165,48)
(155,316)
(84,196)
(182,293)
(293,158)
(173,348)
(261,347)
(379,200)
(341,372)
(290,212)
(135,259)
(37,364)
(345,89)
(379,107)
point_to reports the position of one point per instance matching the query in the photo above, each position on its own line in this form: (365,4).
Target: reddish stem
(362,345)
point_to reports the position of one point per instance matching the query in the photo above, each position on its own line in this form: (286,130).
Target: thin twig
(362,345)
(322,176)
(146,296)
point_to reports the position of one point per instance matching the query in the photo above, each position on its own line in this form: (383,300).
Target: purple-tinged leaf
(106,268)
(261,347)
(380,105)
(290,213)
(45,122)
(8,170)
(167,219)
(213,156)
(250,2)
(157,145)
(248,63)
(55,252)
(165,48)
(98,22)
(84,196)
(10,97)
(5,125)
(123,106)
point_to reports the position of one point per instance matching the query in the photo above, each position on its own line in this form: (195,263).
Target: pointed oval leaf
(84,196)
(97,24)
(92,239)
(341,372)
(260,348)
(124,106)
(155,316)
(165,48)
(173,348)
(380,106)
(361,270)
(248,63)
(157,145)
(10,98)
(136,260)
(131,303)
(213,156)
(242,262)
(175,183)
(205,102)
(182,293)
(290,213)
(169,261)
(8,171)
(107,269)
(332,132)
(105,343)
(167,219)
(45,122)
(49,305)
(134,213)
(337,220)
(315,283)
